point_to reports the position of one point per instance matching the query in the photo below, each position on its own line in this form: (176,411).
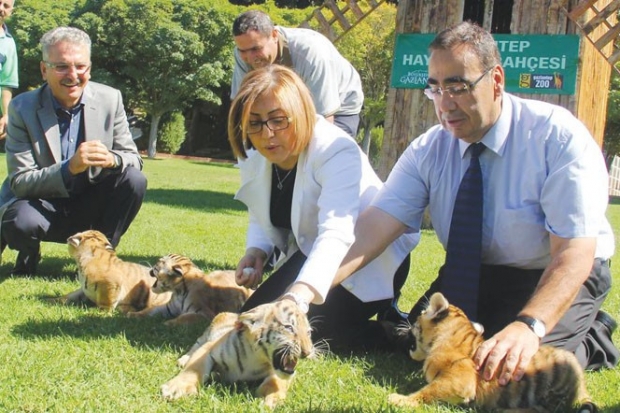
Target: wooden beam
(614,57)
(338,14)
(326,28)
(580,9)
(610,36)
(359,14)
(601,16)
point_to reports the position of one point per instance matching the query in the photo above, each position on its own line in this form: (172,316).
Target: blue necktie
(461,272)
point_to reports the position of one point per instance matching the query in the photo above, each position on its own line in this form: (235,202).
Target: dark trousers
(504,291)
(108,206)
(343,320)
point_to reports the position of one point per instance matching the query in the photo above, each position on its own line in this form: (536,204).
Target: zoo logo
(525,80)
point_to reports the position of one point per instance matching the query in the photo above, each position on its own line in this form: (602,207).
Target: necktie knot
(476,149)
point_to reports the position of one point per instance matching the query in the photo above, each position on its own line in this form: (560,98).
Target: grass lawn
(66,359)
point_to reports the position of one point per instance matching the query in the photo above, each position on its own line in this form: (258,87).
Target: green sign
(544,64)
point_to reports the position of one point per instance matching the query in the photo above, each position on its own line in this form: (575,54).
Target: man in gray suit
(72,163)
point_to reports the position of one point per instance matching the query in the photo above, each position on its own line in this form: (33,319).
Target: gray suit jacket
(33,152)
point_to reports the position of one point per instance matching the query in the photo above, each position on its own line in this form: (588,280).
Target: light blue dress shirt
(542,173)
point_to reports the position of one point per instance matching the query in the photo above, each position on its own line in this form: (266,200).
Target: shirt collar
(284,54)
(6,30)
(495,138)
(57,106)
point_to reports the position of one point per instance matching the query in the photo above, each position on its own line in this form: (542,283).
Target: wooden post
(409,113)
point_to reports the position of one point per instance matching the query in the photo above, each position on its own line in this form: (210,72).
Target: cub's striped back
(263,343)
(446,340)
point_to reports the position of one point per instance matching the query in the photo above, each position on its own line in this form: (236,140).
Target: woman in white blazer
(305,181)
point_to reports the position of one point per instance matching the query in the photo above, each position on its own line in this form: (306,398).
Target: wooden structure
(409,113)
(334,19)
(602,30)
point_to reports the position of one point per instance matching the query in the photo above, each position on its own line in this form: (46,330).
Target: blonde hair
(292,94)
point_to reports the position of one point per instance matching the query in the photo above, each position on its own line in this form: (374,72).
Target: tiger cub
(263,343)
(107,281)
(195,295)
(446,340)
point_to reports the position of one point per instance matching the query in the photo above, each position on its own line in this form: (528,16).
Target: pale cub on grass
(107,281)
(196,296)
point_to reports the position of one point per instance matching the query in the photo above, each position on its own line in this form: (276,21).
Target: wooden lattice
(335,18)
(598,20)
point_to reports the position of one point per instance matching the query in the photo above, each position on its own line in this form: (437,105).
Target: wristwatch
(536,325)
(301,303)
(118,161)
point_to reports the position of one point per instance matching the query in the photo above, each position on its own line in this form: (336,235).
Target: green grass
(66,359)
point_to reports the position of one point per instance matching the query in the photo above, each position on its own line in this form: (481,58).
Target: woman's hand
(249,271)
(301,294)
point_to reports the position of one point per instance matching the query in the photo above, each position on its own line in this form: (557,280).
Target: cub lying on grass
(195,295)
(446,340)
(107,281)
(264,343)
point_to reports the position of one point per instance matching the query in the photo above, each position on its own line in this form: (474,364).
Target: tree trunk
(152,149)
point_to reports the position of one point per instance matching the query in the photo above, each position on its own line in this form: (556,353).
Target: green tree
(164,53)
(172,134)
(32,18)
(611,142)
(369,47)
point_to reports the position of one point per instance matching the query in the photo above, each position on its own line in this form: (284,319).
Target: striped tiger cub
(446,340)
(264,343)
(196,296)
(107,281)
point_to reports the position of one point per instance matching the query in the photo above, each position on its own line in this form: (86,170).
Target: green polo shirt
(8,61)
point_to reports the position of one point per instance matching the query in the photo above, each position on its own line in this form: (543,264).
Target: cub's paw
(175,389)
(182,361)
(271,400)
(172,323)
(136,314)
(402,401)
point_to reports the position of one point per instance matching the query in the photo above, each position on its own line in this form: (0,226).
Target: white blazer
(333,184)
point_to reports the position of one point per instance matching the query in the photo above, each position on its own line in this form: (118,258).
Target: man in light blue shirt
(546,242)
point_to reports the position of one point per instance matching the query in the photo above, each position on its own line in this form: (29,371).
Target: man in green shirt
(8,64)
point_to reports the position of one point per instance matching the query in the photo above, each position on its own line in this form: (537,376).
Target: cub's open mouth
(284,361)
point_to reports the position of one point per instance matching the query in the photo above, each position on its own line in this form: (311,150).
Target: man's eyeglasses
(453,90)
(274,124)
(64,68)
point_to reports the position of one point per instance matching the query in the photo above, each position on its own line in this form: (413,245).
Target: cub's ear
(437,307)
(177,271)
(252,319)
(109,247)
(74,240)
(248,318)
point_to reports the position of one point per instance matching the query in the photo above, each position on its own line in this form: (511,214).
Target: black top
(282,185)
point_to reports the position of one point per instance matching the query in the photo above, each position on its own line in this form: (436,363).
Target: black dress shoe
(607,320)
(26,264)
(393,314)
(399,336)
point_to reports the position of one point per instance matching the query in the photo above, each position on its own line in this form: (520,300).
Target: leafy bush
(376,141)
(172,133)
